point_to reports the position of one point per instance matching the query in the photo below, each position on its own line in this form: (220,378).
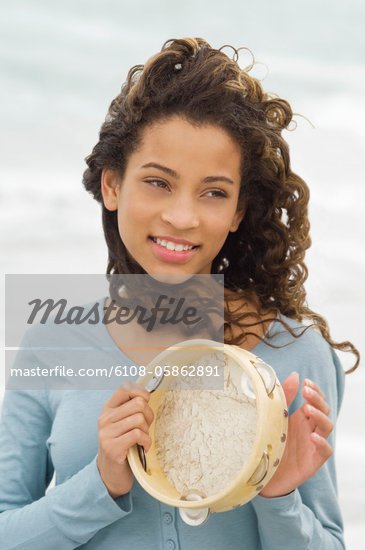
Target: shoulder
(50,348)
(307,353)
(54,324)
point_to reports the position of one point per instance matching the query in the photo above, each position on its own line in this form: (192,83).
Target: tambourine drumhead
(179,479)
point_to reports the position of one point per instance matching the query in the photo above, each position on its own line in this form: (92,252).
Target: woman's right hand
(125,421)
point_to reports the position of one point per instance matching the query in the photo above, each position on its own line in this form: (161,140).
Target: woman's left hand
(307,447)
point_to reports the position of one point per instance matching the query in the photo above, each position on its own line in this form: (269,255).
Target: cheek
(219,233)
(222,223)
(132,219)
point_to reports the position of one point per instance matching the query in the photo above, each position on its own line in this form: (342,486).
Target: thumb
(290,387)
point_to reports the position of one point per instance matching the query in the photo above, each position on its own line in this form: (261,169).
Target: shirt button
(167,519)
(170,544)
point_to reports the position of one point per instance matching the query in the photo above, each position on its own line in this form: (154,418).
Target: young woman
(194,177)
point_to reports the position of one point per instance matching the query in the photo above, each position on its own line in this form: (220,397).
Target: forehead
(186,144)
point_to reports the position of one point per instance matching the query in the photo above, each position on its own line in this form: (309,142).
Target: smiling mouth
(173,247)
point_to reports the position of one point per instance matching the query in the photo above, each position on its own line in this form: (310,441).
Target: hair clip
(178,66)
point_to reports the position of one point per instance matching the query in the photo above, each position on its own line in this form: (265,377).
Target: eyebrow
(172,173)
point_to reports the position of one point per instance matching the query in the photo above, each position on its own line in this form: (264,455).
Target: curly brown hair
(262,261)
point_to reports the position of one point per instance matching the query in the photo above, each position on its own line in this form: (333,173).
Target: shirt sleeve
(309,518)
(69,514)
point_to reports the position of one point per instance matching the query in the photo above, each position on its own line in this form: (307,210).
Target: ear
(238,217)
(109,189)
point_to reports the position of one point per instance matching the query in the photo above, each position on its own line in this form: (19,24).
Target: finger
(323,448)
(313,385)
(128,424)
(124,393)
(316,399)
(320,422)
(134,405)
(290,387)
(131,438)
(121,445)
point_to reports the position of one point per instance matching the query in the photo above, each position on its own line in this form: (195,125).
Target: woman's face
(177,201)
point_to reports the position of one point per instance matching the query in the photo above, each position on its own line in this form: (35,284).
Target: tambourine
(256,380)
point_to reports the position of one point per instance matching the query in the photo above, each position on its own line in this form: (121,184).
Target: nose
(181,212)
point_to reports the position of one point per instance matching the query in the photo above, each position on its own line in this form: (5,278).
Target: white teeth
(172,246)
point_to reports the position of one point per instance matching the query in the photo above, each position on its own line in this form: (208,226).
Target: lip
(173,240)
(172,256)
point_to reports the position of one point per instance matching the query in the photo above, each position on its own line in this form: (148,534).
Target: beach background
(63,62)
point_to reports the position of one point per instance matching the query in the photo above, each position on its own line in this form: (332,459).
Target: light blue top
(43,432)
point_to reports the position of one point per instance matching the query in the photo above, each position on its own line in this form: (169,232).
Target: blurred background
(63,62)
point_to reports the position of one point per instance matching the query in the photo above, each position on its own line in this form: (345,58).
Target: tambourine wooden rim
(269,442)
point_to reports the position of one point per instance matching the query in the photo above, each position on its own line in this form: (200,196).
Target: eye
(217,193)
(160,184)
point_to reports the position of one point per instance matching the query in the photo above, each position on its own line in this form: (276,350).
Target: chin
(171,278)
